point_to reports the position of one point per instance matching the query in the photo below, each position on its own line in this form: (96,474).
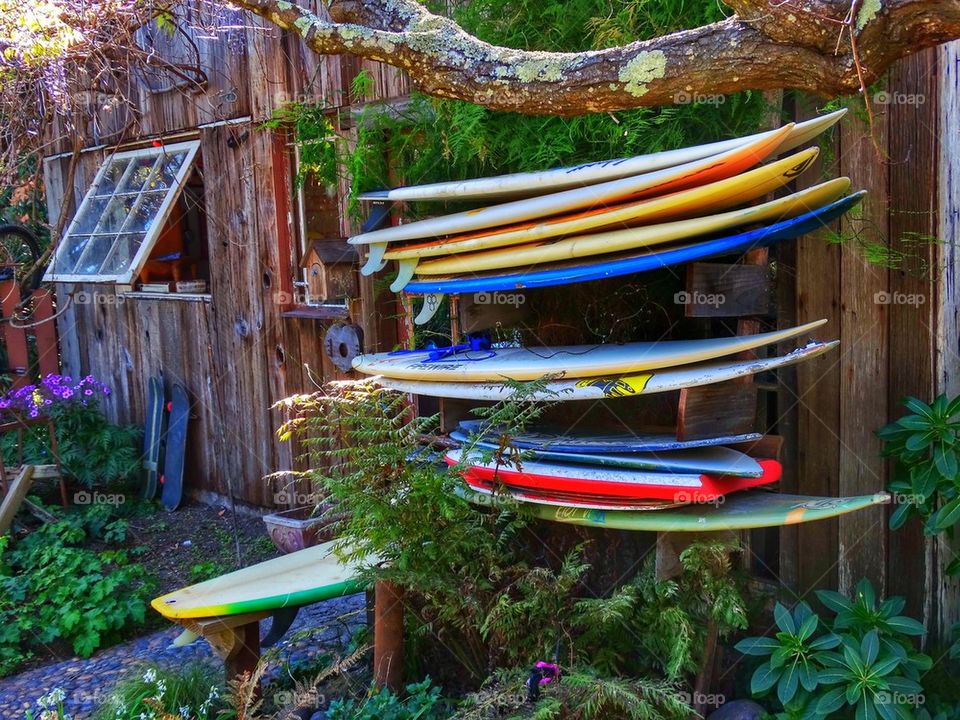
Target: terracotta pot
(292,530)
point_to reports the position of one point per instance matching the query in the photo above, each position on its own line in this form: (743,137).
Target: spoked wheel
(19,250)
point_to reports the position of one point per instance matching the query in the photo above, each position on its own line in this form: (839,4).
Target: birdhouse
(330,270)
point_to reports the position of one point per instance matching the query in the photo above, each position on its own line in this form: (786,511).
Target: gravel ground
(88,683)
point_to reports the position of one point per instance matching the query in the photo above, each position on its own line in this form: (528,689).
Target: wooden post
(388,637)
(246,654)
(45,332)
(15,494)
(14,338)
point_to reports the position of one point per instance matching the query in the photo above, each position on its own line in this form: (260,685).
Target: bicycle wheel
(19,250)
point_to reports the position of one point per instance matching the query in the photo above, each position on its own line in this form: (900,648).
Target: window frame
(156,227)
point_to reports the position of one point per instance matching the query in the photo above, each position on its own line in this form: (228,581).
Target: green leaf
(870,647)
(784,619)
(834,600)
(808,677)
(945,460)
(831,676)
(808,627)
(917,407)
(757,646)
(884,666)
(788,684)
(764,678)
(900,516)
(948,515)
(953,568)
(865,593)
(906,625)
(825,642)
(919,441)
(830,702)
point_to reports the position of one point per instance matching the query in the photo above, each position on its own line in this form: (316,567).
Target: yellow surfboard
(300,578)
(640,237)
(714,196)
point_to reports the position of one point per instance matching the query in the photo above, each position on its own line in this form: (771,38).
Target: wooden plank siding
(890,324)
(943,594)
(234,352)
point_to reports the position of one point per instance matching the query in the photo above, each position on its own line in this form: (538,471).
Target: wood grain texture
(944,598)
(865,356)
(817,395)
(724,290)
(913,294)
(723,409)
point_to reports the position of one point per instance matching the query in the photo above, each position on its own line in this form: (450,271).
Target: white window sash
(150,236)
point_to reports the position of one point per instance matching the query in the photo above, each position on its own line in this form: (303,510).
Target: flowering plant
(50,706)
(52,391)
(157,694)
(92,450)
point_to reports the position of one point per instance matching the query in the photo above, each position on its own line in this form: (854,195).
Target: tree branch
(766,45)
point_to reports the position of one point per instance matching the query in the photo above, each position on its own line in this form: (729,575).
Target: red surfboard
(586,481)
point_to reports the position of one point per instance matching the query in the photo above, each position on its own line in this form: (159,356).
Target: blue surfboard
(560,441)
(634,263)
(715,460)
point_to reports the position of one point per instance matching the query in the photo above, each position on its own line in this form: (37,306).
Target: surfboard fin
(431,303)
(405,273)
(282,620)
(184,638)
(375,261)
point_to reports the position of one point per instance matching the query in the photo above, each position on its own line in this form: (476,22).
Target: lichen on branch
(805,45)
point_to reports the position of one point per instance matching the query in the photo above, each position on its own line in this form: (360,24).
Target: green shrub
(926,477)
(52,588)
(480,601)
(860,663)
(192,692)
(421,702)
(92,450)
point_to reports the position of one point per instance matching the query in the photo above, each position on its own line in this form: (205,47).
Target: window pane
(142,216)
(68,256)
(142,168)
(124,251)
(121,214)
(93,258)
(113,218)
(168,171)
(90,215)
(113,175)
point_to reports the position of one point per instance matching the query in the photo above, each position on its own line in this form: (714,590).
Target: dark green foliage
(582,694)
(860,663)
(93,451)
(926,481)
(52,588)
(421,701)
(478,600)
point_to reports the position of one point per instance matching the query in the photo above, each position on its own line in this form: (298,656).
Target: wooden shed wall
(235,352)
(892,324)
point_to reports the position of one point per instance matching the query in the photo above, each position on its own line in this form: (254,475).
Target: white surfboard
(535,183)
(618,386)
(570,361)
(680,177)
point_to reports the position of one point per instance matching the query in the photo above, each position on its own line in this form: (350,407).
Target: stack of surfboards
(607,219)
(582,372)
(612,471)
(590,222)
(638,472)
